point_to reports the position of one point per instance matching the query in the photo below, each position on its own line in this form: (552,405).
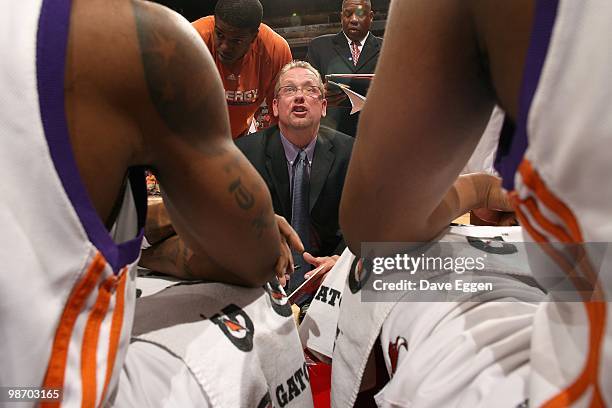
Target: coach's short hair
(245,14)
(299,64)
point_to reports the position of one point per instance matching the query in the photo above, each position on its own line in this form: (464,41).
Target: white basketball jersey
(66,285)
(563,193)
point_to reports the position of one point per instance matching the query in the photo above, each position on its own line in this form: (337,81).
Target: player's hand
(482,190)
(326,263)
(496,198)
(495,207)
(289,240)
(485,216)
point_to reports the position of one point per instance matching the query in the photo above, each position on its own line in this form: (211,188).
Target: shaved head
(356,17)
(365,2)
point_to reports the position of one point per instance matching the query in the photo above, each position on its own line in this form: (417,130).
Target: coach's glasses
(309,91)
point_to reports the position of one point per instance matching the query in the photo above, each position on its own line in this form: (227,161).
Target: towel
(240,344)
(318,328)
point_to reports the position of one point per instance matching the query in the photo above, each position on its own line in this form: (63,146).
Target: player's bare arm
(158,226)
(169,254)
(408,155)
(217,202)
(173,257)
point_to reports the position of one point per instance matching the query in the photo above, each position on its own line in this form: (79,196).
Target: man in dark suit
(354,50)
(303,164)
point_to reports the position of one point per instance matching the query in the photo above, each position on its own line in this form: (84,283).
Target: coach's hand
(325,263)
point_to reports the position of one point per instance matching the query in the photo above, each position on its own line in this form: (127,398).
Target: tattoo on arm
(174,75)
(177,76)
(246,201)
(174,254)
(243,196)
(186,255)
(261,223)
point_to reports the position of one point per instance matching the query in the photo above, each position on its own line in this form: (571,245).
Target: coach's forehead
(299,74)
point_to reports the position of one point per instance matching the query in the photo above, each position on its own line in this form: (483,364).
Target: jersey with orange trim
(67,285)
(563,194)
(441,347)
(559,166)
(252,79)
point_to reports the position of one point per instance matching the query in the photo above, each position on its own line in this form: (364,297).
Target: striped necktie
(300,215)
(355,51)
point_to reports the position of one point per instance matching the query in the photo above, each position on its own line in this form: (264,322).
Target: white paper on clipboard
(350,76)
(357,100)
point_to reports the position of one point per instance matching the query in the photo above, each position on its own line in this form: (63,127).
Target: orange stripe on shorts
(89,351)
(116,327)
(595,310)
(56,369)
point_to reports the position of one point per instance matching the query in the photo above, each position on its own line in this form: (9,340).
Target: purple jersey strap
(52,40)
(512,149)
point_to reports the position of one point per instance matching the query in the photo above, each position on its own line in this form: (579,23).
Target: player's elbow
(258,277)
(259,268)
(355,235)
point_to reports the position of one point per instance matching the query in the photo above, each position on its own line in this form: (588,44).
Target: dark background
(194,9)
(298,21)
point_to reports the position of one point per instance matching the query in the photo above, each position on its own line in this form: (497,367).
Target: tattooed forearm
(160,257)
(187,256)
(262,223)
(243,196)
(246,201)
(232,163)
(172,257)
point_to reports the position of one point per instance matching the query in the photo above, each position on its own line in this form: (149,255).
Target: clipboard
(309,287)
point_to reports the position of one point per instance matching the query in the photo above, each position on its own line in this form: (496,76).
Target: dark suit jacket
(330,161)
(330,54)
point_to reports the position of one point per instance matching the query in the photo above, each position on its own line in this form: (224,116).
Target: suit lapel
(369,51)
(321,165)
(342,49)
(276,165)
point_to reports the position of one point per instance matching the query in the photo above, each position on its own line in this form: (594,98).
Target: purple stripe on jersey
(52,41)
(507,162)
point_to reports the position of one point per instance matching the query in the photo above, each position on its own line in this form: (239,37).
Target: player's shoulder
(205,25)
(267,33)
(271,41)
